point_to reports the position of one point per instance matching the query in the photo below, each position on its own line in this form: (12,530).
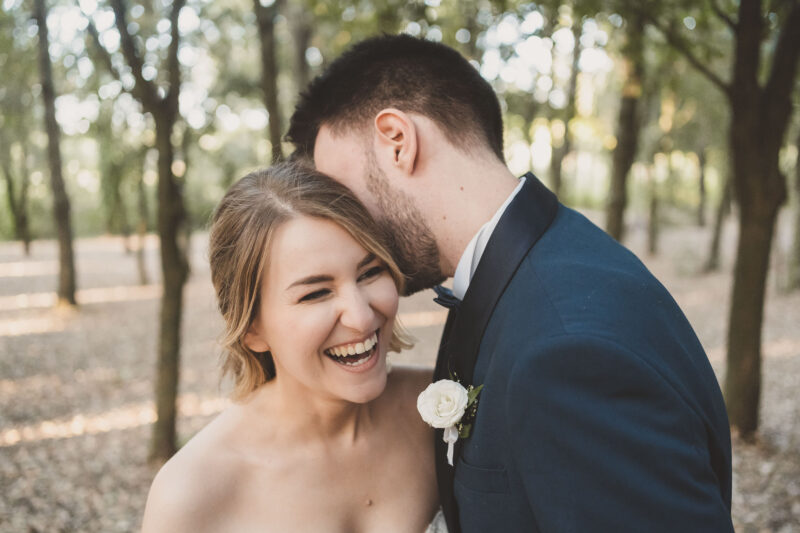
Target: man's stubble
(410,240)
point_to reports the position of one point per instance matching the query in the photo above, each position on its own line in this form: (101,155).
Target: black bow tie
(445,297)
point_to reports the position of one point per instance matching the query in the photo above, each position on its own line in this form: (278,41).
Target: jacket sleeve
(603,442)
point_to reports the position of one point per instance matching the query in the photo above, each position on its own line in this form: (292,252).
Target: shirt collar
(475,248)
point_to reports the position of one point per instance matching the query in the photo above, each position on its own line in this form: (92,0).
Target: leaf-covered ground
(76,387)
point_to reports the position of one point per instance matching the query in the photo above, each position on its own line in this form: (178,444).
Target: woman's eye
(316,295)
(372,272)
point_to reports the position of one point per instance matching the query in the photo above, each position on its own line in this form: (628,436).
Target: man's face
(350,160)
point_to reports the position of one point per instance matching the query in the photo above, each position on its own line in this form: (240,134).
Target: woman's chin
(371,388)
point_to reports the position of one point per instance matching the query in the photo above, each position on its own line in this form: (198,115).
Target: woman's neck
(298,414)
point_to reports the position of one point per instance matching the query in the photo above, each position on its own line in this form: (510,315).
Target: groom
(599,411)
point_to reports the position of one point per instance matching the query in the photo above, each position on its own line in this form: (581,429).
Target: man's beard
(410,240)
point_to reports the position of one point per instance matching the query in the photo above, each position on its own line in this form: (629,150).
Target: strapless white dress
(438,525)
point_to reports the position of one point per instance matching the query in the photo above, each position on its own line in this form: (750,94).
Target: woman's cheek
(318,316)
(387,297)
(314,320)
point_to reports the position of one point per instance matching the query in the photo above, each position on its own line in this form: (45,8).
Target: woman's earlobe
(254,341)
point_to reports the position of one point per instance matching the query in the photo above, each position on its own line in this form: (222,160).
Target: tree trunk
(61,207)
(265,17)
(111,180)
(120,215)
(794,255)
(627,130)
(701,206)
(560,152)
(300,25)
(653,222)
(387,17)
(174,268)
(162,105)
(23,226)
(724,207)
(141,228)
(743,375)
(759,117)
(17,206)
(11,195)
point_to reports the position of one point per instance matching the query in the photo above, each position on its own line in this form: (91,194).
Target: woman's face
(326,313)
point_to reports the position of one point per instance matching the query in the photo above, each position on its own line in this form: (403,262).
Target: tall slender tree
(61,205)
(18,55)
(113,169)
(265,17)
(300,25)
(701,184)
(794,258)
(161,103)
(568,113)
(628,127)
(17,200)
(141,224)
(758,95)
(723,209)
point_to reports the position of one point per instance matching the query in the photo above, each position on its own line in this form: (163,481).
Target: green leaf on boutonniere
(472,393)
(464,430)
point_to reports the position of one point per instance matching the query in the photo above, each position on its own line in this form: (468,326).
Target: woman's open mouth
(354,355)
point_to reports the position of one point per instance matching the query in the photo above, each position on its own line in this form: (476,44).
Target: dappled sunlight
(122,293)
(694,297)
(422,319)
(31,326)
(34,300)
(126,417)
(778,349)
(782,348)
(28,268)
(118,294)
(41,382)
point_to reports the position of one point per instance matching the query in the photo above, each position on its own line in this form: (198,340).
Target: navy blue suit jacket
(600,410)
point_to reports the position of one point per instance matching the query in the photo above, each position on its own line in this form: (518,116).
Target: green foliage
(19,114)
(223,114)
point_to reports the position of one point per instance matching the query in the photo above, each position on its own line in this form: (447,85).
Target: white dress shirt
(474,250)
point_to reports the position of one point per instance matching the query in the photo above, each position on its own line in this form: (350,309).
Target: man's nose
(357,314)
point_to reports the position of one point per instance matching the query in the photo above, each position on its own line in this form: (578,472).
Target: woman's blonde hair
(239,242)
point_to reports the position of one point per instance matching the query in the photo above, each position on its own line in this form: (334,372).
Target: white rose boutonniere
(447,405)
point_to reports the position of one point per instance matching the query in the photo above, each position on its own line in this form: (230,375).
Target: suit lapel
(444,472)
(525,220)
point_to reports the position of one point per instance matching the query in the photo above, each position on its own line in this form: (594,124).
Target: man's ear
(254,340)
(396,139)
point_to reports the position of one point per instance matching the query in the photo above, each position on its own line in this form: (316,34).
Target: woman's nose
(357,314)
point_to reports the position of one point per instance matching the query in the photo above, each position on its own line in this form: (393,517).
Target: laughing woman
(319,438)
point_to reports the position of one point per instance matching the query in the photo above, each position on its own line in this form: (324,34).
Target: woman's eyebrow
(367,260)
(321,278)
(311,280)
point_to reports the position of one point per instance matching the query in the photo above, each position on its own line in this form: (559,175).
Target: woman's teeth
(353,354)
(354,349)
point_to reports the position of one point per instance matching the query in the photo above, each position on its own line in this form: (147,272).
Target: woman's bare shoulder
(409,381)
(192,487)
(403,387)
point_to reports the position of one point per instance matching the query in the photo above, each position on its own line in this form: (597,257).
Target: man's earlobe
(397,138)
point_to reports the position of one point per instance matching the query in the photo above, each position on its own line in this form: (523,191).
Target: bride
(320,437)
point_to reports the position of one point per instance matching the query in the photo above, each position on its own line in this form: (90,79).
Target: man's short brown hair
(409,74)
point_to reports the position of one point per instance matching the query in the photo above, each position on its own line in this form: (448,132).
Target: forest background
(672,124)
